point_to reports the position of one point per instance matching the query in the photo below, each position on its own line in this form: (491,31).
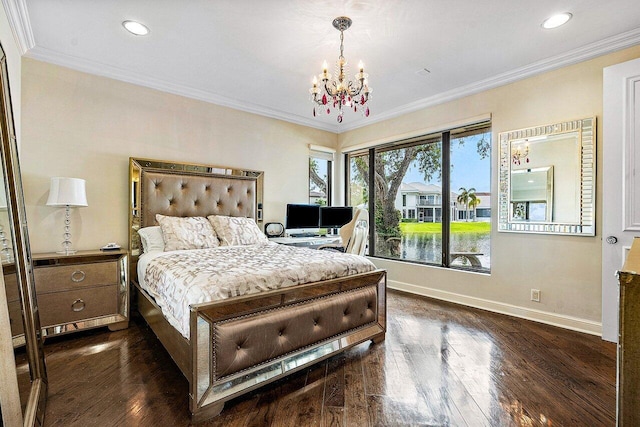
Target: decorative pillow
(193,232)
(237,230)
(151,239)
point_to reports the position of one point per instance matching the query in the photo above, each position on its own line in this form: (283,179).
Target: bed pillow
(151,239)
(237,230)
(193,232)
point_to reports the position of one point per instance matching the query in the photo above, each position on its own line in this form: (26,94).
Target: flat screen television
(335,216)
(303,219)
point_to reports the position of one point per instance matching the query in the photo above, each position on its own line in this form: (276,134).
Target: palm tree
(464,197)
(473,202)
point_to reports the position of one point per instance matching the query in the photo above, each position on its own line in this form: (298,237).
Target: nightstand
(84,290)
(13,298)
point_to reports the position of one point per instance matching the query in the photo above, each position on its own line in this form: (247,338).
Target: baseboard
(562,321)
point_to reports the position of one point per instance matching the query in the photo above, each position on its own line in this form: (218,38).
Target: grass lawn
(456,227)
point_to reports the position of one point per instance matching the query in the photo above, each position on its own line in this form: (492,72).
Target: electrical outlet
(535,295)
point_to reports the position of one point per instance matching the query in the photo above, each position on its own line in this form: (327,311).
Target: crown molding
(21,27)
(109,71)
(590,51)
(18,18)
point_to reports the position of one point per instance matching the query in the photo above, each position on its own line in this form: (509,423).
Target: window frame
(447,203)
(324,157)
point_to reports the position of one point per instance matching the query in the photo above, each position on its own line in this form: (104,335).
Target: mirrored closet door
(23,378)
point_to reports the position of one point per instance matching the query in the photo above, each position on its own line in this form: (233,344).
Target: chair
(353,234)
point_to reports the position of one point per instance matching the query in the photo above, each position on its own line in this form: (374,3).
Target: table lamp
(67,192)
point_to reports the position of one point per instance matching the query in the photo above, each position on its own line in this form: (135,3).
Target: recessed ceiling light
(556,20)
(136,28)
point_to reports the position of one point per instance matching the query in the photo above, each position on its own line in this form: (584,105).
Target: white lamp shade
(67,192)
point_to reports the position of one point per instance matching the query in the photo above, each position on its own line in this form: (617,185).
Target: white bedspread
(180,278)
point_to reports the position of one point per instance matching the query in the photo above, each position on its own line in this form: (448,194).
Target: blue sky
(468,170)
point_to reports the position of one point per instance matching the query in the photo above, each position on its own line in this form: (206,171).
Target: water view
(420,242)
(425,247)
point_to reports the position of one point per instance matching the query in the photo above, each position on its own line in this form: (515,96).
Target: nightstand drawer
(11,287)
(61,277)
(78,304)
(15,318)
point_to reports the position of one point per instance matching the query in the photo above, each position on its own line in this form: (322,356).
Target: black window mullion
(347,179)
(329,182)
(372,203)
(446,196)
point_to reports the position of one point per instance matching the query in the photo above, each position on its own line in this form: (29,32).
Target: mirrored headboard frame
(586,130)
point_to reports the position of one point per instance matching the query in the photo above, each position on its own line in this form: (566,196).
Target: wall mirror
(547,179)
(23,379)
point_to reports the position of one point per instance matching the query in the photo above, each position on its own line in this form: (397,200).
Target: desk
(307,242)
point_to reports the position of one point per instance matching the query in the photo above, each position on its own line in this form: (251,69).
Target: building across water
(423,203)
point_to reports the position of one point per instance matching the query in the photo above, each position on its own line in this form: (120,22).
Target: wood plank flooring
(441,365)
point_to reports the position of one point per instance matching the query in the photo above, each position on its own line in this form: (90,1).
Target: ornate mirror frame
(138,166)
(585,130)
(21,266)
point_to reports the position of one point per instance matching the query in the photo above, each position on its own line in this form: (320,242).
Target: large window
(431,198)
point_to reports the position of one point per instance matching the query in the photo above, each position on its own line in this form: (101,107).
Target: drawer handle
(78,276)
(78,305)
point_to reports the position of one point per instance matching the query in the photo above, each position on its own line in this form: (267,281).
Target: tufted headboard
(188,189)
(180,194)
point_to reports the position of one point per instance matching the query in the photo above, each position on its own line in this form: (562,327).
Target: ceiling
(260,56)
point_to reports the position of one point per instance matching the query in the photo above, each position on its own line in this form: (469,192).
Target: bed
(243,334)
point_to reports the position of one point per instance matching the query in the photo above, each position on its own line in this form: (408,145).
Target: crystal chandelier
(341,92)
(520,153)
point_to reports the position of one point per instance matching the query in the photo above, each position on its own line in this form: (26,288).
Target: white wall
(85,126)
(566,269)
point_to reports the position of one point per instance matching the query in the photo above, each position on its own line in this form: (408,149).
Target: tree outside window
(319,181)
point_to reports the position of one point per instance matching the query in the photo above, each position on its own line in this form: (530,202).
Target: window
(320,178)
(470,187)
(448,176)
(358,190)
(483,213)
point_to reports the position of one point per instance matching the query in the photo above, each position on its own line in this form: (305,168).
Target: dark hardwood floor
(441,365)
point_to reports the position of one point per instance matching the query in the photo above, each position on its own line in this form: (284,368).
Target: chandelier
(341,93)
(520,152)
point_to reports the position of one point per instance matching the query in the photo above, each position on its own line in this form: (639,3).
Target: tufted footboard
(241,344)
(253,339)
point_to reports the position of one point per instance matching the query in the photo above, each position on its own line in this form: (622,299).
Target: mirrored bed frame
(329,316)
